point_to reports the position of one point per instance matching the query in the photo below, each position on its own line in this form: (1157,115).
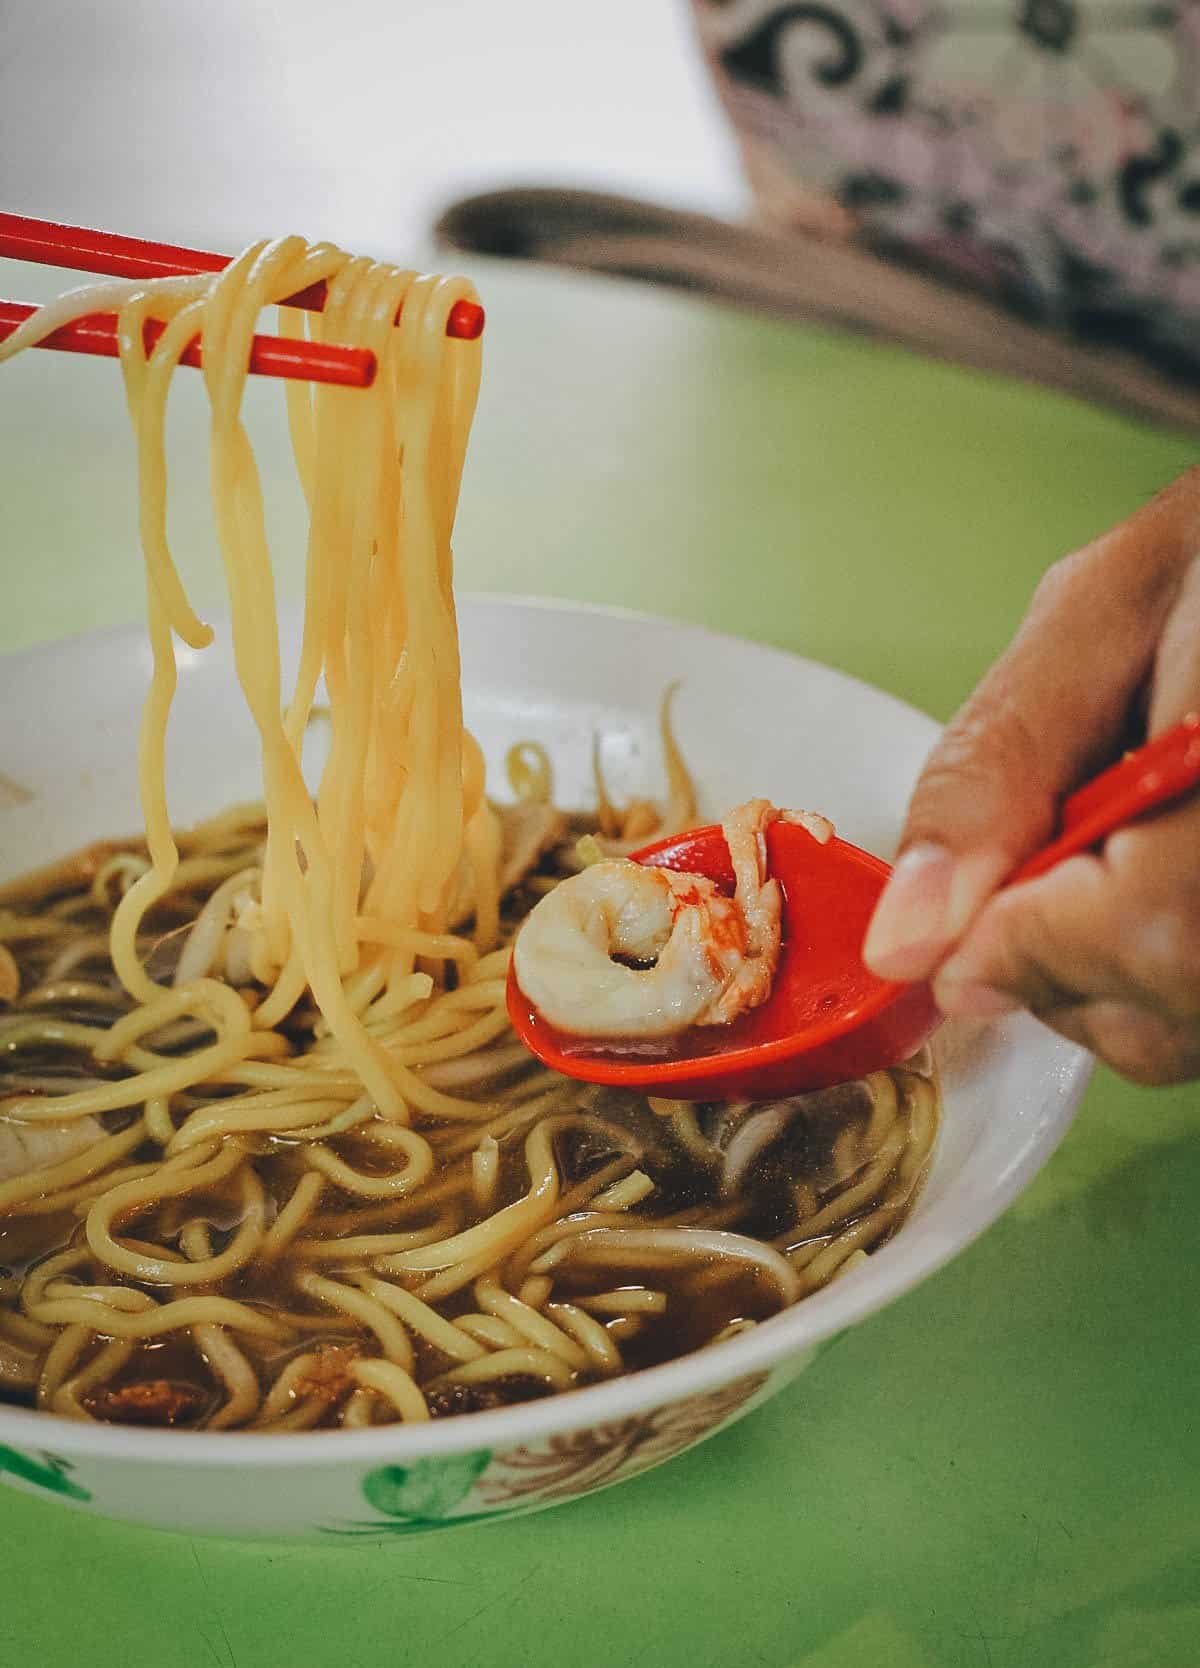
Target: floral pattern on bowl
(46,1471)
(431,1493)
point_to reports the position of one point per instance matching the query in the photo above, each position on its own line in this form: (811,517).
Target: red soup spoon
(827,1018)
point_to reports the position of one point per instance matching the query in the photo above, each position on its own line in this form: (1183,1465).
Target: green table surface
(997,1472)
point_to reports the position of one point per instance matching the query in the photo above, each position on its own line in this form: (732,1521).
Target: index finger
(1122,926)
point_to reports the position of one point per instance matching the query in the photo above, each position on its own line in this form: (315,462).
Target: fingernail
(926,907)
(908,929)
(973,1001)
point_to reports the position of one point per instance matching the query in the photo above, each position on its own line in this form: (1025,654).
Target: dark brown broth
(619,1132)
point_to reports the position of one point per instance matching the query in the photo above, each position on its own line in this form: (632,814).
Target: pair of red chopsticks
(49,244)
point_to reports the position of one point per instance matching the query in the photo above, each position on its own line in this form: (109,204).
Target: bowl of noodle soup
(543,673)
(280,1190)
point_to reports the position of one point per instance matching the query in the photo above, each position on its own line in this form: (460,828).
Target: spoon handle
(1163,770)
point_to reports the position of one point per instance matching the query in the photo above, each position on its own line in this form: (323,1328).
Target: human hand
(1105,948)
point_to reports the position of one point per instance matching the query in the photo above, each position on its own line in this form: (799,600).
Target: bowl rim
(899,1266)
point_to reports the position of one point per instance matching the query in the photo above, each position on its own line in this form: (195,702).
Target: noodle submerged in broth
(262,1251)
(270,1155)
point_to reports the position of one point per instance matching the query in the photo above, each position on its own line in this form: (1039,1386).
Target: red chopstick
(49,244)
(347,367)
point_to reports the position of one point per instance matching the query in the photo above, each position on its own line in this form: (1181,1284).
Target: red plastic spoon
(827,1019)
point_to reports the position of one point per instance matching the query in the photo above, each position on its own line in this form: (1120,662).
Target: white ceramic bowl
(751,720)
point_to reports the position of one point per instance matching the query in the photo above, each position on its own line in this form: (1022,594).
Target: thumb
(1048,713)
(984,798)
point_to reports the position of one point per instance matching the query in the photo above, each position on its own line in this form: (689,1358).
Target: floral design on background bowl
(546,672)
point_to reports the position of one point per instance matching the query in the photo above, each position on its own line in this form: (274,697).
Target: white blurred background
(211,123)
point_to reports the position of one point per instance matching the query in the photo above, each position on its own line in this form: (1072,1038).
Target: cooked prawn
(625,950)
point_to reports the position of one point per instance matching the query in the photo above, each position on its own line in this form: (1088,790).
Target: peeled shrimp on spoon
(749,936)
